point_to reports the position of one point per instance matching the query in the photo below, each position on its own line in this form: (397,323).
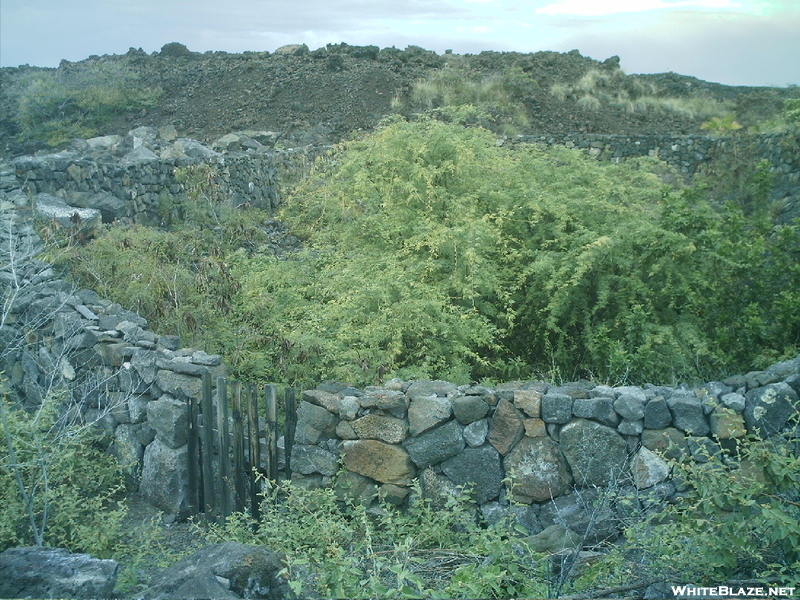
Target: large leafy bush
(431,251)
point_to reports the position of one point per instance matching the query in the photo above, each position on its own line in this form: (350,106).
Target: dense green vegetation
(432,252)
(57,486)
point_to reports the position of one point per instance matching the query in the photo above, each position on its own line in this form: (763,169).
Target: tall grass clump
(56,105)
(613,88)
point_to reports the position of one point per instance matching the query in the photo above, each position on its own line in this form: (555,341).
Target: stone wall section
(134,178)
(100,363)
(561,447)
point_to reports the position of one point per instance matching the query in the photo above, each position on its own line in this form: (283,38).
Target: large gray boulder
(165,478)
(426,412)
(314,424)
(538,470)
(506,427)
(387,463)
(55,573)
(595,453)
(79,220)
(167,416)
(688,414)
(767,409)
(229,570)
(436,445)
(479,468)
(587,512)
(313,459)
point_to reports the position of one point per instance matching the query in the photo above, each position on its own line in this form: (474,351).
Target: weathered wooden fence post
(239,466)
(208,448)
(291,425)
(223,437)
(272,432)
(255,447)
(193,455)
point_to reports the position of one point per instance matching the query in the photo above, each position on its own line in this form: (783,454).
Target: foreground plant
(338,547)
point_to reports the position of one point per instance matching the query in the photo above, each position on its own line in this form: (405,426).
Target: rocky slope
(325,95)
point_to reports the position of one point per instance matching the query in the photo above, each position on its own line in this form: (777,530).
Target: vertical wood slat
(208,448)
(238,449)
(271,393)
(255,447)
(291,425)
(193,455)
(224,447)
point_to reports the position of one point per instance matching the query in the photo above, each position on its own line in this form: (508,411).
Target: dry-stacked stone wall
(136,178)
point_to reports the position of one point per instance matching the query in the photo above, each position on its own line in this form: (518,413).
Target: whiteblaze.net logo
(724,591)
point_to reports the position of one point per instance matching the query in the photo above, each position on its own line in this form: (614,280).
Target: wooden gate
(233,446)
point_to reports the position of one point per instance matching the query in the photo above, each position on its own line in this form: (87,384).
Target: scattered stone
(249,572)
(554,539)
(55,573)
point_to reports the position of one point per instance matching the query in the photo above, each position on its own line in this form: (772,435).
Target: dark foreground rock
(55,573)
(229,570)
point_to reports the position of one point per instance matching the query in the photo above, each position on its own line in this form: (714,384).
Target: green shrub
(501,96)
(342,549)
(56,488)
(431,252)
(739,518)
(723,125)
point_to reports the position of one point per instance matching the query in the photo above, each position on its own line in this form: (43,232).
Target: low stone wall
(693,155)
(135,177)
(559,445)
(100,363)
(687,153)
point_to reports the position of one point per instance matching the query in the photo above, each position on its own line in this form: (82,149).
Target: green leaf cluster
(72,488)
(739,517)
(432,252)
(337,547)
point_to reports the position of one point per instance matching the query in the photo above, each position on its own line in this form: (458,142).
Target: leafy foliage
(433,252)
(499,97)
(722,125)
(71,488)
(341,549)
(740,517)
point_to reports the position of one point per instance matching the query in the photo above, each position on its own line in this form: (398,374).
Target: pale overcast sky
(738,42)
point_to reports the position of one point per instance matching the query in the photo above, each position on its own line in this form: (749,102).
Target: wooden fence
(226,461)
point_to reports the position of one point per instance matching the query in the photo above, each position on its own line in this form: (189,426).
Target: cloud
(594,8)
